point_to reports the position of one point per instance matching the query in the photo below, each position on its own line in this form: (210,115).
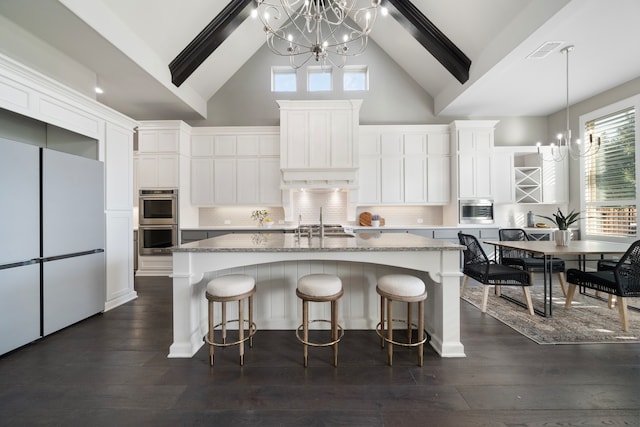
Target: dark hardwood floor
(112,370)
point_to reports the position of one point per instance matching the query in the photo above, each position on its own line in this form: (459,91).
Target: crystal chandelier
(328,31)
(564,145)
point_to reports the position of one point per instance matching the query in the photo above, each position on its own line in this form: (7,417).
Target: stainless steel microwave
(479,211)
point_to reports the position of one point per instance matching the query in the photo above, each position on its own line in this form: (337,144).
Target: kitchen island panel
(277,267)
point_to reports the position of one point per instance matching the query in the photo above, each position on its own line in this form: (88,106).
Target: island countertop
(289,242)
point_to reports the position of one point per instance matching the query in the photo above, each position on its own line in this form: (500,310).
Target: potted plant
(259,215)
(563,222)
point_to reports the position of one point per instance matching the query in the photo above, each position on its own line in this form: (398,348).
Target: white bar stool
(223,289)
(403,288)
(320,288)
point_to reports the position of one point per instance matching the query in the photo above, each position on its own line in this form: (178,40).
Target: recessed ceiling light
(99,90)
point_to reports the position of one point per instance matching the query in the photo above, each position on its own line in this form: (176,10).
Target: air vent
(544,50)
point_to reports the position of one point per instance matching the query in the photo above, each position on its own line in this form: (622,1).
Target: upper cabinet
(319,143)
(235,166)
(157,162)
(404,165)
(473,165)
(531,175)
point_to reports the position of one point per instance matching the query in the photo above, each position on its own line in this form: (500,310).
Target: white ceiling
(129,44)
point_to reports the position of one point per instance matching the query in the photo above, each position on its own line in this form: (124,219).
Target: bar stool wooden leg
(409,322)
(210,333)
(382,328)
(305,330)
(241,330)
(420,332)
(250,321)
(389,332)
(334,330)
(224,322)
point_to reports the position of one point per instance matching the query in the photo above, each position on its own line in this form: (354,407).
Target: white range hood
(319,146)
(319,143)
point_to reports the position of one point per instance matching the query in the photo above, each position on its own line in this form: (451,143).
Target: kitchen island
(277,260)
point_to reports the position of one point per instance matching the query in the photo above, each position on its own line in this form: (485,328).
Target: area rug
(588,321)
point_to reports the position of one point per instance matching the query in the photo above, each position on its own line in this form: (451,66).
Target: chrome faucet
(321,225)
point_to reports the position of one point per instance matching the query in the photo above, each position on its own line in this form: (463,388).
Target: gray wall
(246,99)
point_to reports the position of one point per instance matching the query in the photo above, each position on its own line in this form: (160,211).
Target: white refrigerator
(52,261)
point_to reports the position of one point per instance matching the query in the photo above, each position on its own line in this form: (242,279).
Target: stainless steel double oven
(158,221)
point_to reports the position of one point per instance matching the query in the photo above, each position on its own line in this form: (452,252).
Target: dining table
(579,249)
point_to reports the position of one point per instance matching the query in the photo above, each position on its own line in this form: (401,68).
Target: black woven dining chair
(478,266)
(525,260)
(623,281)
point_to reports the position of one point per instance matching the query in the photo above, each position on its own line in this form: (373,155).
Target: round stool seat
(319,285)
(401,285)
(231,285)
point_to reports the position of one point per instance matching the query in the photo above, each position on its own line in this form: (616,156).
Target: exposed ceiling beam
(208,40)
(429,36)
(403,11)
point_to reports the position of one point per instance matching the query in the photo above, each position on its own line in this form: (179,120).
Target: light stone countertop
(288,242)
(286,227)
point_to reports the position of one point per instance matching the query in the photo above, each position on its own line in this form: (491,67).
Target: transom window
(355,77)
(319,79)
(283,79)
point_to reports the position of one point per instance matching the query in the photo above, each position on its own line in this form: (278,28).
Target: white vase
(562,237)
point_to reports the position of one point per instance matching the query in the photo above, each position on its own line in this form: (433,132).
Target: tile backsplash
(236,216)
(334,210)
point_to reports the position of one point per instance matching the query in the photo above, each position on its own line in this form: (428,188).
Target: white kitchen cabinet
(157,170)
(415,168)
(235,166)
(415,179)
(392,180)
(404,165)
(438,169)
(269,182)
(473,142)
(438,180)
(369,177)
(160,144)
(158,141)
(247,181)
(224,182)
(202,182)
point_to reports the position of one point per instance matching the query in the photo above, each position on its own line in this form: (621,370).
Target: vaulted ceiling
(129,44)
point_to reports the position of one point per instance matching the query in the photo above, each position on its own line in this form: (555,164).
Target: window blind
(610,175)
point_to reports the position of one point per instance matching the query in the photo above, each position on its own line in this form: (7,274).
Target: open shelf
(528,184)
